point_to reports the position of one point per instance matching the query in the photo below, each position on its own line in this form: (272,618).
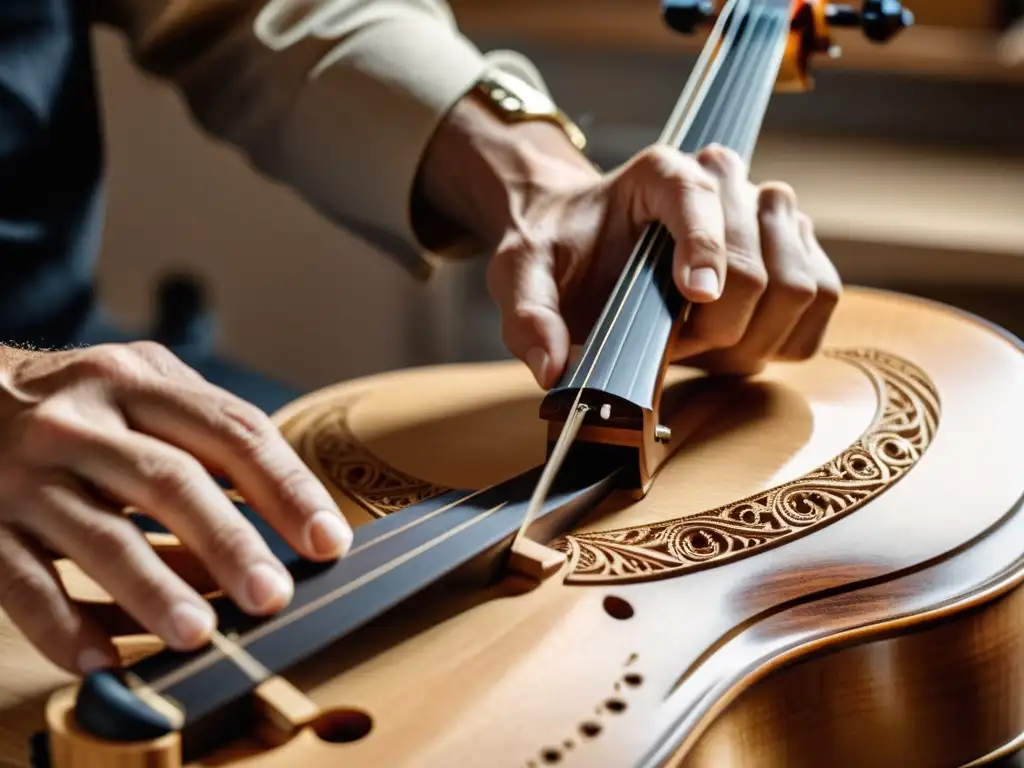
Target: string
(696,89)
(210,657)
(682,117)
(723,96)
(652,243)
(277,622)
(730,103)
(753,127)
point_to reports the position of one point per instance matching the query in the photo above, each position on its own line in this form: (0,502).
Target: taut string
(649,251)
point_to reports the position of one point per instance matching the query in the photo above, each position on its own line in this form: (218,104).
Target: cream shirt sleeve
(338,99)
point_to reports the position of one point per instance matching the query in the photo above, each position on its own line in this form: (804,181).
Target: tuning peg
(881,20)
(684,16)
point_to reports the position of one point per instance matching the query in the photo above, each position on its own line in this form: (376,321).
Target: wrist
(480,174)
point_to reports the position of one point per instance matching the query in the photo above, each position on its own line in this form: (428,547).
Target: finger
(791,288)
(115,621)
(174,488)
(34,598)
(109,548)
(176,557)
(183,562)
(240,441)
(164,362)
(667,186)
(522,284)
(806,338)
(722,325)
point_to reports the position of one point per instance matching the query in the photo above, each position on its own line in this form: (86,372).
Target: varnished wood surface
(894,670)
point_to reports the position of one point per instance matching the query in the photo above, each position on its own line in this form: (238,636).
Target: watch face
(515,100)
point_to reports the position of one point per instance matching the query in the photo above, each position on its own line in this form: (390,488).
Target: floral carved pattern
(901,431)
(373,484)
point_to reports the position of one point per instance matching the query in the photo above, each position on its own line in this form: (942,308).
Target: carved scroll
(375,485)
(900,432)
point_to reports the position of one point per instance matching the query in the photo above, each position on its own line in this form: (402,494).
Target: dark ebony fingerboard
(391,560)
(623,355)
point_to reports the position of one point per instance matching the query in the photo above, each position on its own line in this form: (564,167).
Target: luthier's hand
(85,433)
(562,232)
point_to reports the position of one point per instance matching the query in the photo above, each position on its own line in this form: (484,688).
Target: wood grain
(889,638)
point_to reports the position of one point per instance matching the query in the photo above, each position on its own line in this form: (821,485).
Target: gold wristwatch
(514,100)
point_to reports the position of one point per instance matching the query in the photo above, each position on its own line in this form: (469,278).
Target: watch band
(514,100)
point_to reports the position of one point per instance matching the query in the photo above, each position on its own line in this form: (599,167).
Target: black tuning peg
(684,16)
(881,20)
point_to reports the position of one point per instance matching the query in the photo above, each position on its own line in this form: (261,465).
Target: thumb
(522,284)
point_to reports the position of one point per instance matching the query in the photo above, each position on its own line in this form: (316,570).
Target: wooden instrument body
(883,629)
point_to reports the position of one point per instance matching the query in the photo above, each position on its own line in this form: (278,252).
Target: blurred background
(909,156)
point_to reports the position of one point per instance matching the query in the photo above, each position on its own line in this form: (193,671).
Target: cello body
(820,564)
(826,571)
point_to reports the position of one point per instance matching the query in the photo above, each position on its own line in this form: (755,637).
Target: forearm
(479,173)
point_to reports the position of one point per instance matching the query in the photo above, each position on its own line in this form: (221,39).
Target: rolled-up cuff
(392,86)
(383,92)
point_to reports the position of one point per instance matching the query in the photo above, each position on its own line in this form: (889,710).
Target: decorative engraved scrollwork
(900,433)
(373,484)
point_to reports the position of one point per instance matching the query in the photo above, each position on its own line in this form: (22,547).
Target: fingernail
(93,659)
(328,534)
(267,588)
(538,359)
(704,281)
(190,624)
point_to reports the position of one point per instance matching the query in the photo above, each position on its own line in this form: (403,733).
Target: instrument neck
(734,90)
(725,101)
(391,560)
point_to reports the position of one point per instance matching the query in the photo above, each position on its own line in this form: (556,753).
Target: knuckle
(658,160)
(247,428)
(47,431)
(678,172)
(530,315)
(795,289)
(24,591)
(777,195)
(722,160)
(500,269)
(747,273)
(230,542)
(154,353)
(296,484)
(107,542)
(148,349)
(168,474)
(109,362)
(702,241)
